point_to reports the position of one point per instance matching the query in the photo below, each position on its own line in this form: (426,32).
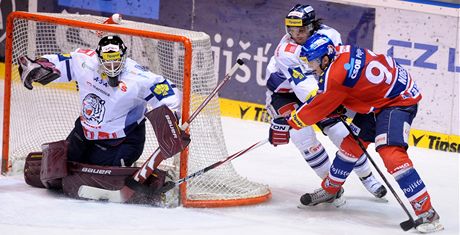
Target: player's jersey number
(376,72)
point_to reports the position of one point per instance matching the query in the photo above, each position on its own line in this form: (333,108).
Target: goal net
(47,113)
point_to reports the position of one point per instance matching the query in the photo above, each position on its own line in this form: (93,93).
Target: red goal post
(183,56)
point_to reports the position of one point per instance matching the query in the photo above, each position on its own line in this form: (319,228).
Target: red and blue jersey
(360,80)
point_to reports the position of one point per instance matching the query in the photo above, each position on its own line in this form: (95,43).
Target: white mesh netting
(48,113)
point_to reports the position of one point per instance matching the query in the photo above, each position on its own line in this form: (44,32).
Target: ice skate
(374,186)
(428,222)
(321,196)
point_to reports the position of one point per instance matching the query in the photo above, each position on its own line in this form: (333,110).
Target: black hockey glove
(279,132)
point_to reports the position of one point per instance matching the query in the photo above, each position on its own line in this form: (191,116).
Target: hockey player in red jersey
(290,83)
(385,97)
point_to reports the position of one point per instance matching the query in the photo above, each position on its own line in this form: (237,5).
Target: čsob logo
(427,52)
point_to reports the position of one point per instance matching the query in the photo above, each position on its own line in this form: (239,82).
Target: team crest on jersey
(162,90)
(64,56)
(93,109)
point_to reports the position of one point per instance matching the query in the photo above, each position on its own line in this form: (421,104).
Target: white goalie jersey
(111,112)
(287,72)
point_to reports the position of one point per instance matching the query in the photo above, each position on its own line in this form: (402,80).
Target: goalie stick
(125,193)
(114,196)
(405,225)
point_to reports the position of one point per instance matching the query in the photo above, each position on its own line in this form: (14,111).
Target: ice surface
(26,210)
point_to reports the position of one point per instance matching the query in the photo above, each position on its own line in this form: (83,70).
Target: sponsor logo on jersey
(122,86)
(102,81)
(296,120)
(88,52)
(141,67)
(64,56)
(93,109)
(290,47)
(354,66)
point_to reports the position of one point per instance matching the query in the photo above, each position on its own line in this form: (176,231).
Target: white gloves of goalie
(39,70)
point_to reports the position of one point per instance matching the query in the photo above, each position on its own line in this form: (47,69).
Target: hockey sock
(340,169)
(400,166)
(414,189)
(362,167)
(317,159)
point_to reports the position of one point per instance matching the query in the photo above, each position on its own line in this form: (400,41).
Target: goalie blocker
(171,139)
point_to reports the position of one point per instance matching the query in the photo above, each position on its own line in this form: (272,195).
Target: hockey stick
(170,184)
(125,193)
(405,225)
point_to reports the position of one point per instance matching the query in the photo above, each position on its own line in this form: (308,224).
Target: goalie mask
(111,53)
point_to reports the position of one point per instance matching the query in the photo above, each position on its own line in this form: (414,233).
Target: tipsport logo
(436,143)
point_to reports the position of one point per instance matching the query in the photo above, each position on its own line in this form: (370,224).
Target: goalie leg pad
(113,178)
(32,169)
(105,177)
(53,164)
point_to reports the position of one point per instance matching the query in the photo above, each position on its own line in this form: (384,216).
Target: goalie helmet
(111,53)
(300,16)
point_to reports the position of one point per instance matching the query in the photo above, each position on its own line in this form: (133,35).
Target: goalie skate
(321,196)
(428,222)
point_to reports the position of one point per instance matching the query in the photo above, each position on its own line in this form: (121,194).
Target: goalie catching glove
(279,132)
(39,70)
